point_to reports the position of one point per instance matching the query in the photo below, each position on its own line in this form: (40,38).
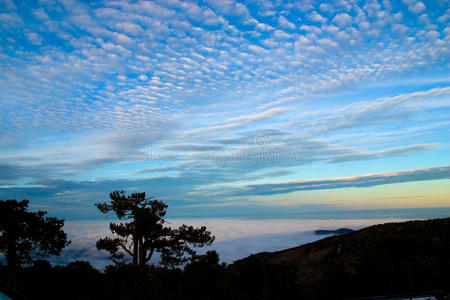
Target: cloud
(316,17)
(34,38)
(281,35)
(194,148)
(262,115)
(257,49)
(131,45)
(382,153)
(7,4)
(417,8)
(235,238)
(229,7)
(445,16)
(285,23)
(263,27)
(342,20)
(130,28)
(379,111)
(238,121)
(11,20)
(351,181)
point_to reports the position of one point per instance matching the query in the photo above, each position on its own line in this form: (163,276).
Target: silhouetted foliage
(25,234)
(256,279)
(202,278)
(77,280)
(145,233)
(206,278)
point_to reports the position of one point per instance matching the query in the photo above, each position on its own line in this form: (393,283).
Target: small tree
(24,234)
(145,232)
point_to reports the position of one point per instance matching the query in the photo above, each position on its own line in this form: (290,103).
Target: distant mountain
(383,259)
(339,231)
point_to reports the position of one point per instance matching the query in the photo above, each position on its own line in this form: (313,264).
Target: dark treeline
(204,278)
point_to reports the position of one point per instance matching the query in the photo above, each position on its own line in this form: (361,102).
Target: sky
(228,109)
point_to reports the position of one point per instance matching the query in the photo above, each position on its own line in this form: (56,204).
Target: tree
(145,233)
(26,234)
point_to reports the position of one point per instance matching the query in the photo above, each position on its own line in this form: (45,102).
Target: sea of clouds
(235,238)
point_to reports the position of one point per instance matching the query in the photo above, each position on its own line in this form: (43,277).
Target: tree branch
(124,247)
(150,254)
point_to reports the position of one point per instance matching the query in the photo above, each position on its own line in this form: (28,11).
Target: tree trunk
(135,250)
(11,254)
(11,259)
(142,253)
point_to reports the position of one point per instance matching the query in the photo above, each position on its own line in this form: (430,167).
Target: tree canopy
(25,234)
(144,232)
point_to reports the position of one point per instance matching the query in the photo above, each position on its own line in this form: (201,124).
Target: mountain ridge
(380,259)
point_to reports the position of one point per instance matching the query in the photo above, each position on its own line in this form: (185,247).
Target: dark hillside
(383,259)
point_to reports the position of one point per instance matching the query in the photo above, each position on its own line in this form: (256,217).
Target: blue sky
(227,108)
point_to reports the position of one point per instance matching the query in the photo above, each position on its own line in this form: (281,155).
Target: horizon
(235,238)
(245,110)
